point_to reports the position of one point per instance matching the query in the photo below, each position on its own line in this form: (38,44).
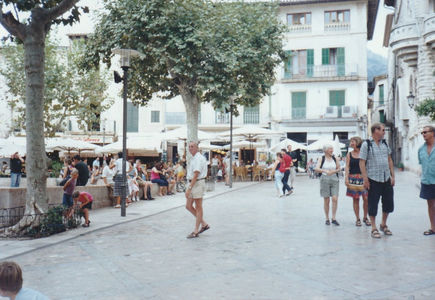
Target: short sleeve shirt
(82,198)
(29,294)
(377,165)
(427,162)
(108,174)
(197,163)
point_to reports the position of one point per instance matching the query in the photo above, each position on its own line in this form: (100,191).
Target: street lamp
(411,99)
(125,56)
(231,140)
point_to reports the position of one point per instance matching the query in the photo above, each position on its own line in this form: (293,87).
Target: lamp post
(411,99)
(125,56)
(231,141)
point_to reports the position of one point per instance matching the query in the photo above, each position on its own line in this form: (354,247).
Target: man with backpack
(377,170)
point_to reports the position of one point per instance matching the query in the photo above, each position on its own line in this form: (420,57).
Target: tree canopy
(69,92)
(205,51)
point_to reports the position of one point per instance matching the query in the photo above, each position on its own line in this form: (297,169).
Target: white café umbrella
(205,145)
(68,144)
(245,144)
(318,145)
(136,146)
(181,134)
(7,149)
(252,132)
(284,143)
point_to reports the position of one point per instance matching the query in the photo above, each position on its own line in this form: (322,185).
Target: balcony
(222,118)
(299,113)
(300,28)
(251,117)
(322,73)
(404,37)
(338,26)
(429,30)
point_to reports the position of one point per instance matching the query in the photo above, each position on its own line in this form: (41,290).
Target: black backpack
(323,161)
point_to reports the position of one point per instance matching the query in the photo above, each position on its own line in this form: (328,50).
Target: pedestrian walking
(85,200)
(120,189)
(377,170)
(11,283)
(196,173)
(16,166)
(287,161)
(68,190)
(328,167)
(294,165)
(354,180)
(278,170)
(426,158)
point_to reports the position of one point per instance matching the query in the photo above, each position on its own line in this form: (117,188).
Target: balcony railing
(339,26)
(322,71)
(222,118)
(299,28)
(299,113)
(251,117)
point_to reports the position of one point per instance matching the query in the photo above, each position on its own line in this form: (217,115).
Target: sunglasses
(424,132)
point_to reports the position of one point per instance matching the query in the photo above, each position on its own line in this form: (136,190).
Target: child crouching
(85,200)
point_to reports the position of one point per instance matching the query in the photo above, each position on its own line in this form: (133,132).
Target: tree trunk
(36,167)
(191,104)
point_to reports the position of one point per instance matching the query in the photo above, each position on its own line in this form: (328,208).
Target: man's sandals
(385,229)
(367,222)
(429,232)
(195,235)
(376,234)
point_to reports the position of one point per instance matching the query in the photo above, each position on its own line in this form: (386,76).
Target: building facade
(410,36)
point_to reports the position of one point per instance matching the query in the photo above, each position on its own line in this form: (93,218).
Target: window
(299,19)
(337,16)
(155,116)
(299,105)
(336,59)
(221,117)
(381,116)
(251,115)
(336,98)
(299,63)
(381,94)
(175,118)
(132,117)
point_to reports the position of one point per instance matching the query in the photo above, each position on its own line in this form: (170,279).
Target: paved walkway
(259,247)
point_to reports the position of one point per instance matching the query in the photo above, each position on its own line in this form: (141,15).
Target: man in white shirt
(107,177)
(196,173)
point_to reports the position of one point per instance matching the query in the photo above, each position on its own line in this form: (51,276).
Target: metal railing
(321,71)
(299,112)
(338,26)
(250,117)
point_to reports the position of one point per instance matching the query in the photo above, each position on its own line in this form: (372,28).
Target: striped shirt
(377,165)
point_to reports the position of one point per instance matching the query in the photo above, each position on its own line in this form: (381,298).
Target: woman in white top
(214,166)
(329,167)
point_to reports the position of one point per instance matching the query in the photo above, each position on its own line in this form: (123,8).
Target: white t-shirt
(29,294)
(197,163)
(118,167)
(214,162)
(108,174)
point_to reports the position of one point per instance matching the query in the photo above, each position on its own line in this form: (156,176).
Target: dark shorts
(160,182)
(427,191)
(88,206)
(378,190)
(67,200)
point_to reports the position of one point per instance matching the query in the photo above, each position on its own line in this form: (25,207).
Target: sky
(85,26)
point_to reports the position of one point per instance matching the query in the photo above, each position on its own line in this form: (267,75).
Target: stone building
(410,36)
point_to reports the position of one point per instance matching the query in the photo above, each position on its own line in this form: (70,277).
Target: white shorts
(198,189)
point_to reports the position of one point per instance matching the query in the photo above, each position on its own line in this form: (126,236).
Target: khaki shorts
(329,186)
(198,189)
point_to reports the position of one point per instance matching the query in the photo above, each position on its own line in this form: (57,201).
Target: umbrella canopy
(251,132)
(136,146)
(318,145)
(284,143)
(245,144)
(205,145)
(181,134)
(7,149)
(68,144)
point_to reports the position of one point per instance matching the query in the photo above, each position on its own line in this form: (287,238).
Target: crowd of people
(369,175)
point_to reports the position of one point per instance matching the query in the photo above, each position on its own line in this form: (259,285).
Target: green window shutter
(340,62)
(288,65)
(325,56)
(132,117)
(299,104)
(310,62)
(381,94)
(381,116)
(336,98)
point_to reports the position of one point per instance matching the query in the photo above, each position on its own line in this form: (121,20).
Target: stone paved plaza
(259,247)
